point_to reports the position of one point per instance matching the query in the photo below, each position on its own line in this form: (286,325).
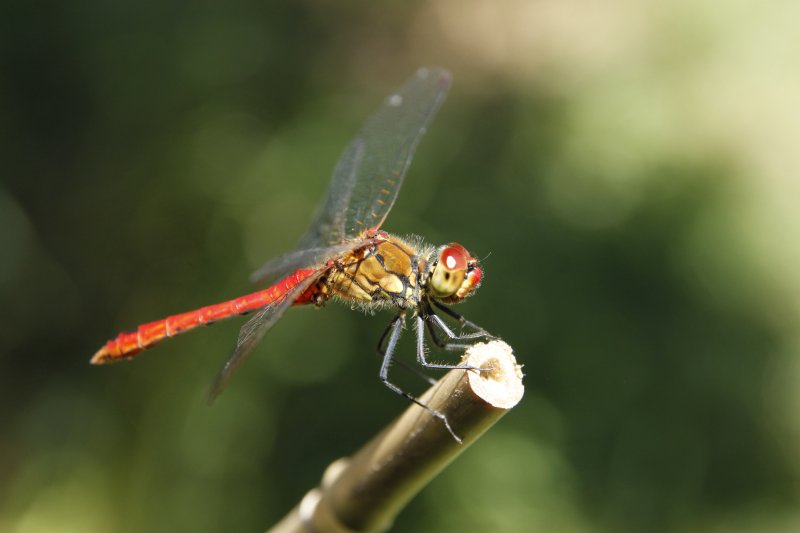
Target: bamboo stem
(366,492)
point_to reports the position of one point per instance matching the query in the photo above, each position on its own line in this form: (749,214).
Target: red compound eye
(475,276)
(454,257)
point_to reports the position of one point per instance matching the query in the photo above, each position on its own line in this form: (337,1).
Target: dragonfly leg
(434,336)
(478,331)
(438,341)
(393,332)
(453,342)
(403,364)
(422,357)
(385,334)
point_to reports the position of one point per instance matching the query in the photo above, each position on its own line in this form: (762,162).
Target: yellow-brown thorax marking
(386,270)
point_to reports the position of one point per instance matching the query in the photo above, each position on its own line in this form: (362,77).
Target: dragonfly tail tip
(101,357)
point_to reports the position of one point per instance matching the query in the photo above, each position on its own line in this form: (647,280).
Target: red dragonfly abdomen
(127,345)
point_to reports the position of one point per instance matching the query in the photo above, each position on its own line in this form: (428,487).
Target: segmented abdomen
(127,345)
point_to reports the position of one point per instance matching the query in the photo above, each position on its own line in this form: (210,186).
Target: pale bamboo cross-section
(366,492)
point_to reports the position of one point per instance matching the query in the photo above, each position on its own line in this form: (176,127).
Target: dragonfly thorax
(383,273)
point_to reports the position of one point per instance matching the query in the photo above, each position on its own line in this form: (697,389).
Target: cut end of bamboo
(499,383)
(368,490)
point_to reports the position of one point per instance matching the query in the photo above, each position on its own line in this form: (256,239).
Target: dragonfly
(345,255)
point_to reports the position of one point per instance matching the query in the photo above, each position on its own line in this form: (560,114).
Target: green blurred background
(629,169)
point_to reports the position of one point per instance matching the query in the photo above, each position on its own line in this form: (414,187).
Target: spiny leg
(432,321)
(403,364)
(393,331)
(479,331)
(422,358)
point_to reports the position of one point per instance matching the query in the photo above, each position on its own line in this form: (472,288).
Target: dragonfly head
(454,274)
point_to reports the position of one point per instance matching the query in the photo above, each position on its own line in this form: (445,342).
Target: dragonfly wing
(328,226)
(390,138)
(255,329)
(369,174)
(302,258)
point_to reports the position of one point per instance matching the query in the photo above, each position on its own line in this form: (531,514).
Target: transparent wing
(328,226)
(369,174)
(254,330)
(288,263)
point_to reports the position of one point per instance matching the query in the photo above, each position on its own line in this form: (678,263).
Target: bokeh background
(628,169)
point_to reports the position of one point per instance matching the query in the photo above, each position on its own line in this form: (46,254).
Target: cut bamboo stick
(366,492)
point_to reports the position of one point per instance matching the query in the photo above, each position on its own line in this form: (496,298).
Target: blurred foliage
(626,169)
